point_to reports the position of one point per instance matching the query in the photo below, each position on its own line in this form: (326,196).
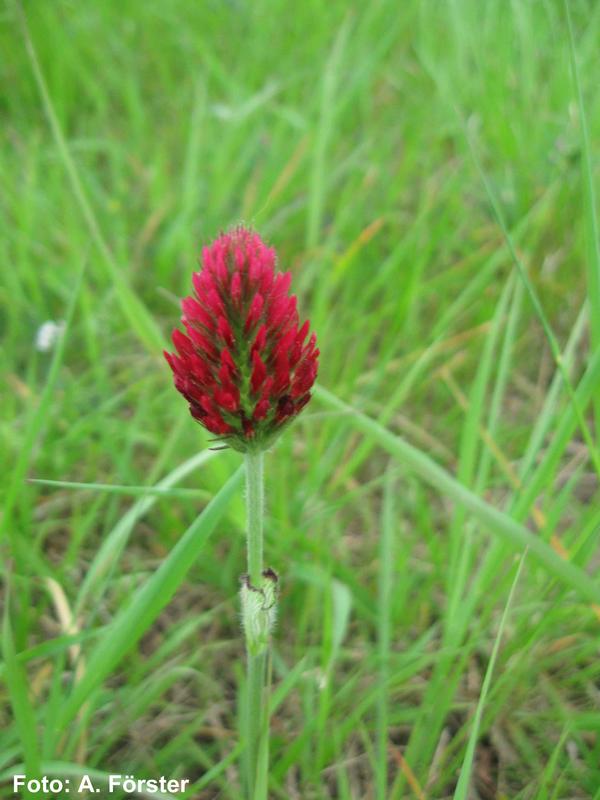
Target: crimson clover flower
(244,363)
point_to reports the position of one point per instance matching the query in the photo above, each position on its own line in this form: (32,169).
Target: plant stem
(257,741)
(255,502)
(257,722)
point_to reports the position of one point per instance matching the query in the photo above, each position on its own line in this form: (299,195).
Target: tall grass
(427,171)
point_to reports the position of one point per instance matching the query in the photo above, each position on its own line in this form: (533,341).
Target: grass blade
(384,628)
(537,306)
(134,310)
(498,523)
(498,214)
(593,233)
(113,544)
(318,187)
(16,683)
(462,787)
(36,420)
(135,619)
(128,491)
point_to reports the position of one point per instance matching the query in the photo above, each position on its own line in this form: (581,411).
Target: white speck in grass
(48,334)
(317,675)
(321,679)
(223,111)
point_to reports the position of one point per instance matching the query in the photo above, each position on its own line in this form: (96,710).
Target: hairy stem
(255,502)
(257,723)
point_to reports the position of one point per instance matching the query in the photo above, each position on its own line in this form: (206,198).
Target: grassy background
(369,144)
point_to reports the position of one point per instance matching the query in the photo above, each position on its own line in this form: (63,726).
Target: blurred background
(368,143)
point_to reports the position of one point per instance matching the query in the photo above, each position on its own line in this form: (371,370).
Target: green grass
(428,172)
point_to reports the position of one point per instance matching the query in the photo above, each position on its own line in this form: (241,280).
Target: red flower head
(243,364)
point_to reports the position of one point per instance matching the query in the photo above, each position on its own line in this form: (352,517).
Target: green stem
(257,719)
(255,502)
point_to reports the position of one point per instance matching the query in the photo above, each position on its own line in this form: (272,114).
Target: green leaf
(114,543)
(497,522)
(462,787)
(592,229)
(16,683)
(131,623)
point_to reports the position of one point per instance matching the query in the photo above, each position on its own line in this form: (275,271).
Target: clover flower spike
(244,364)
